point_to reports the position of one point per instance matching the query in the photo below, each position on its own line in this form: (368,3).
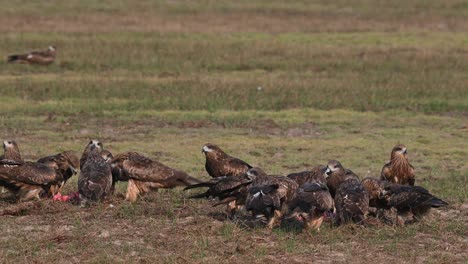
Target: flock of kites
(329,191)
(325,192)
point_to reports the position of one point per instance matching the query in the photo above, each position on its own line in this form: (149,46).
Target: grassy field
(282,85)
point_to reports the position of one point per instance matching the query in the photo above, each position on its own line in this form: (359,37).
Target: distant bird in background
(35,57)
(398,169)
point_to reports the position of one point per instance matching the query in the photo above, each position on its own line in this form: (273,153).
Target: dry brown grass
(238,16)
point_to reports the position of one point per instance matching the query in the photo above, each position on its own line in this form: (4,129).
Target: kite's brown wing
(35,174)
(314,175)
(141,168)
(375,188)
(352,202)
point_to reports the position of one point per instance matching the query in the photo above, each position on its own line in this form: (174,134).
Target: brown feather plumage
(138,168)
(11,151)
(398,169)
(413,199)
(66,163)
(375,188)
(35,57)
(95,180)
(267,195)
(310,203)
(219,164)
(335,175)
(351,198)
(314,175)
(351,201)
(28,179)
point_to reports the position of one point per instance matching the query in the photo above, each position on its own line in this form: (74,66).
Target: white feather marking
(96,143)
(29,56)
(207,149)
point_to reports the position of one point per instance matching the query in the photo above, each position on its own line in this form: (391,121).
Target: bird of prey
(311,202)
(35,57)
(11,151)
(95,180)
(142,171)
(66,163)
(107,155)
(219,164)
(375,188)
(351,198)
(93,144)
(267,194)
(378,206)
(28,180)
(335,174)
(411,199)
(398,169)
(230,190)
(315,175)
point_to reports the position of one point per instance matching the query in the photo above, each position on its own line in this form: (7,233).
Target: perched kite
(351,198)
(398,169)
(95,180)
(220,164)
(144,174)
